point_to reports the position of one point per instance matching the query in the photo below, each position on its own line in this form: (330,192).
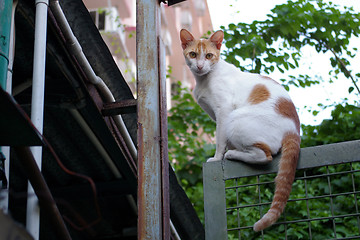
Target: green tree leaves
(267,46)
(189,132)
(344,126)
(263,46)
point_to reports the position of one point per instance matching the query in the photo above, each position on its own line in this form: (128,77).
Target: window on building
(98,18)
(101,20)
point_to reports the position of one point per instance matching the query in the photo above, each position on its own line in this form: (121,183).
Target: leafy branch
(276,43)
(345,70)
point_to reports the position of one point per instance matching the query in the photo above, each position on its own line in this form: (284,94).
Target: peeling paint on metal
(151,196)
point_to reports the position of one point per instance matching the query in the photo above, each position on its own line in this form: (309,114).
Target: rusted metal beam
(42,191)
(119,107)
(153,203)
(113,128)
(164,156)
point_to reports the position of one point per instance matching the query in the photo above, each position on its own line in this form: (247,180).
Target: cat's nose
(200,67)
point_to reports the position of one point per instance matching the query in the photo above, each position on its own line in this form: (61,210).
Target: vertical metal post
(4,198)
(11,49)
(5,27)
(5,23)
(37,107)
(164,155)
(153,203)
(214,201)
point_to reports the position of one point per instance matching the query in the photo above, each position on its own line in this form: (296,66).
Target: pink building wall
(191,14)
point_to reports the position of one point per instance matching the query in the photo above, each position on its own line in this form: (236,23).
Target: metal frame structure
(96,107)
(221,180)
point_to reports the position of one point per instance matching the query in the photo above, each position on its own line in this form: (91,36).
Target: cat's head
(201,55)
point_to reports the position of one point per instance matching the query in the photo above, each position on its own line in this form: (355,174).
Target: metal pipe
(4,193)
(5,21)
(91,135)
(76,49)
(4,198)
(37,107)
(42,191)
(21,87)
(73,43)
(118,119)
(11,48)
(174,232)
(95,141)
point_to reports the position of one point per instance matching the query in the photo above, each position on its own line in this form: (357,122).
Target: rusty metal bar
(153,204)
(110,122)
(164,157)
(42,191)
(119,107)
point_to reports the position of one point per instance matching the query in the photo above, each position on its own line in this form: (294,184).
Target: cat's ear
(186,37)
(217,38)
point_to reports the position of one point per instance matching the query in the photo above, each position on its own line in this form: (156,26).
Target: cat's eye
(209,55)
(192,54)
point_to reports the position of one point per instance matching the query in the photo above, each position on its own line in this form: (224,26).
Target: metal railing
(324,203)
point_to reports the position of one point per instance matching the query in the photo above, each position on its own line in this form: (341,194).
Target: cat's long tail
(283,180)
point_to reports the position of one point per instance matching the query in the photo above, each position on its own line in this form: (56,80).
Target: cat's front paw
(213,159)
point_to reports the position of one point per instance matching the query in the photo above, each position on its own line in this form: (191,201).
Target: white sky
(234,11)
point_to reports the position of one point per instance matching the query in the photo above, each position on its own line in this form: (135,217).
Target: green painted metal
(214,201)
(216,173)
(5,25)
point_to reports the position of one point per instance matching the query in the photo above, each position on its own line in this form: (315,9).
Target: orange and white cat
(255,117)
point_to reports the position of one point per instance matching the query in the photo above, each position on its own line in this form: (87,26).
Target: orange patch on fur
(283,181)
(203,46)
(259,94)
(287,109)
(287,167)
(265,148)
(200,46)
(209,47)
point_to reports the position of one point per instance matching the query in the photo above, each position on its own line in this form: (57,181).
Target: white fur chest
(220,90)
(204,97)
